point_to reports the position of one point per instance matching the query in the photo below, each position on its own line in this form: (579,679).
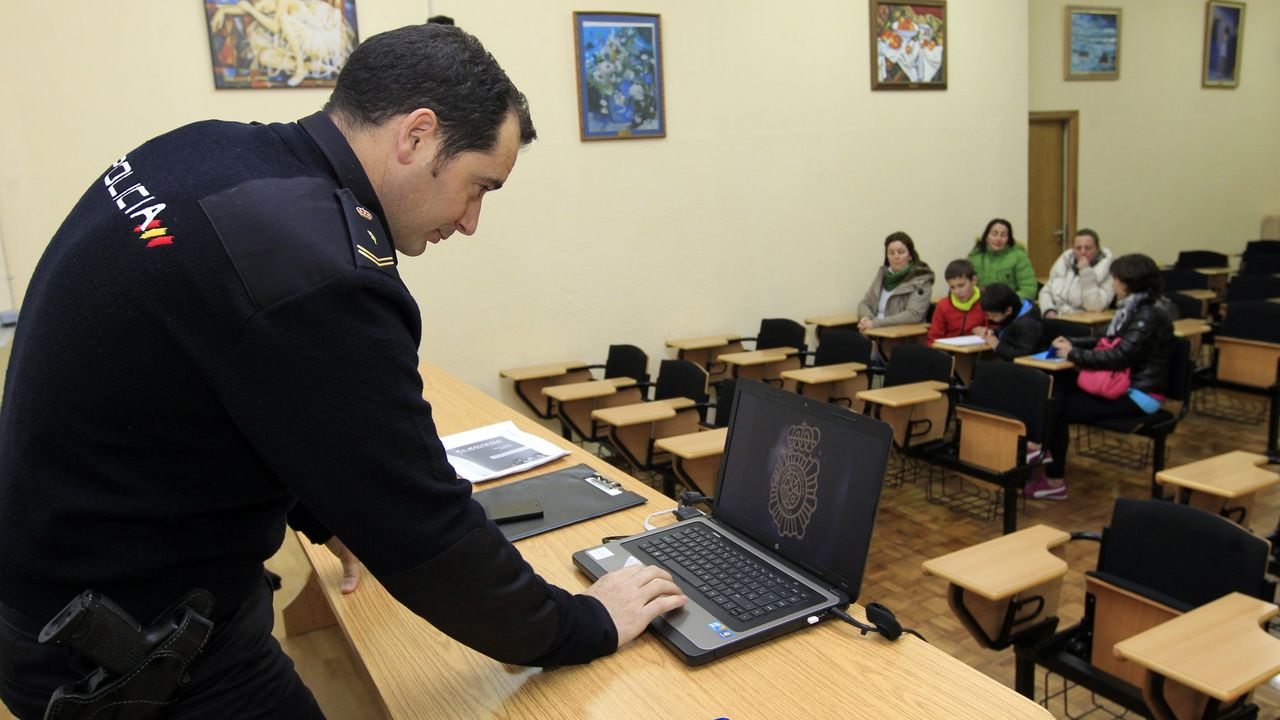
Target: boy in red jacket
(960,312)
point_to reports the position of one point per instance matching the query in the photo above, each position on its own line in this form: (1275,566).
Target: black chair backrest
(1016,390)
(1178,278)
(1181,368)
(780,332)
(1188,307)
(1262,247)
(842,346)
(724,401)
(1253,287)
(627,361)
(916,363)
(1252,320)
(1057,327)
(1200,258)
(1265,264)
(1182,553)
(680,378)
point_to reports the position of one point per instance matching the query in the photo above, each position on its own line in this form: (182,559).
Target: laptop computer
(789,529)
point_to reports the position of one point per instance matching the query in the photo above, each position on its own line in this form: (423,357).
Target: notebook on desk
(789,530)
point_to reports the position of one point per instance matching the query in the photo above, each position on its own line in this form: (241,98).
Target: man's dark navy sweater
(202,346)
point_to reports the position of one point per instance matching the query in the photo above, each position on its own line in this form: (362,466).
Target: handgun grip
(100,630)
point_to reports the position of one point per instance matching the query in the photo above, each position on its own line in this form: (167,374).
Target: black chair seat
(1146,425)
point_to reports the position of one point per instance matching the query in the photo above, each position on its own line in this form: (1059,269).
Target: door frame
(1070,120)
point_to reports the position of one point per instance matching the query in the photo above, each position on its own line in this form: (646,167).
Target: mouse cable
(881,618)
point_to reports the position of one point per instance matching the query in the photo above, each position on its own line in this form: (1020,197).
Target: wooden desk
(842,321)
(1217,277)
(420,673)
(1003,567)
(1219,649)
(763,365)
(1192,329)
(576,402)
(1046,365)
(887,338)
(966,357)
(987,578)
(695,458)
(704,350)
(634,429)
(1099,317)
(827,382)
(1204,295)
(530,381)
(587,390)
(1224,484)
(904,406)
(641,413)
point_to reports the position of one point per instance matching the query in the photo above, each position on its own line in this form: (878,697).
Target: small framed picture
(1223,43)
(265,44)
(1092,43)
(908,45)
(619,59)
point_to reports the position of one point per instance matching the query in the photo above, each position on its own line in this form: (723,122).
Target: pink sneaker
(1039,489)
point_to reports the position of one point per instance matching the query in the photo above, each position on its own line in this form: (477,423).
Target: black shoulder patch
(285,236)
(369,243)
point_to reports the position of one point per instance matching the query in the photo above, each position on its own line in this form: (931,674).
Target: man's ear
(417,136)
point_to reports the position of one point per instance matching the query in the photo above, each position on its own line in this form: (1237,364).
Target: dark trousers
(242,672)
(1077,406)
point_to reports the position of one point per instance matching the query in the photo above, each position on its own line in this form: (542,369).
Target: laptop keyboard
(750,592)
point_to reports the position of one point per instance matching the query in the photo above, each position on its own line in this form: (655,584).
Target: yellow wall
(781,175)
(1165,164)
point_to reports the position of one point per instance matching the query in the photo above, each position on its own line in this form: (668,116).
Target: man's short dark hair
(998,297)
(1090,233)
(440,67)
(959,269)
(1139,273)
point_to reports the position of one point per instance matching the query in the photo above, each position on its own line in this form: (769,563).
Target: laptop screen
(803,478)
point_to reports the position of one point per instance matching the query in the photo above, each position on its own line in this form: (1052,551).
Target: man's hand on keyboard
(634,596)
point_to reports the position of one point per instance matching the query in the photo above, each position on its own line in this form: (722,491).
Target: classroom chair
(1005,407)
(1247,353)
(677,408)
(622,361)
(1156,427)
(1252,287)
(1178,593)
(1255,264)
(1054,328)
(1188,307)
(774,333)
(916,400)
(1181,278)
(1192,259)
(1262,247)
(839,371)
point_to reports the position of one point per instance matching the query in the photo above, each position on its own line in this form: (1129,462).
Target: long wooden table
(822,671)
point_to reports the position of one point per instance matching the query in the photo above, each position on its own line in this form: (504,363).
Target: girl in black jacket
(1143,334)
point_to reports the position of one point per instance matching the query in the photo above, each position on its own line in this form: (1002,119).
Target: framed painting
(908,45)
(272,44)
(1091,49)
(1223,43)
(619,64)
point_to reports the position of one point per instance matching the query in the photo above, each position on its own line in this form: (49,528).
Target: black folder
(568,496)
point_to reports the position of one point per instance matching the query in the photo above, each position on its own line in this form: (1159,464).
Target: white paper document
(962,341)
(494,451)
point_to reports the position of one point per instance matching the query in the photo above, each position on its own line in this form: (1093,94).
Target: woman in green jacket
(998,259)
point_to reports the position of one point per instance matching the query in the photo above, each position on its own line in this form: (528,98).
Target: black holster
(141,669)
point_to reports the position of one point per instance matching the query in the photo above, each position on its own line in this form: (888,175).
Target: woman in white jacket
(1080,280)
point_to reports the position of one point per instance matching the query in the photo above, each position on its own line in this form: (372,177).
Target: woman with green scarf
(902,288)
(998,259)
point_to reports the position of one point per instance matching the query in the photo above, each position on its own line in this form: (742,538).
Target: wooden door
(1051,187)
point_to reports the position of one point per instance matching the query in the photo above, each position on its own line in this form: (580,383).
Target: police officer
(217,337)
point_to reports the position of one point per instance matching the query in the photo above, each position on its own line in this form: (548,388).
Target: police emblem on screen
(793,489)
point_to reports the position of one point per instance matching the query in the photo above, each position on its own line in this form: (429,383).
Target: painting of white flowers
(908,45)
(619,59)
